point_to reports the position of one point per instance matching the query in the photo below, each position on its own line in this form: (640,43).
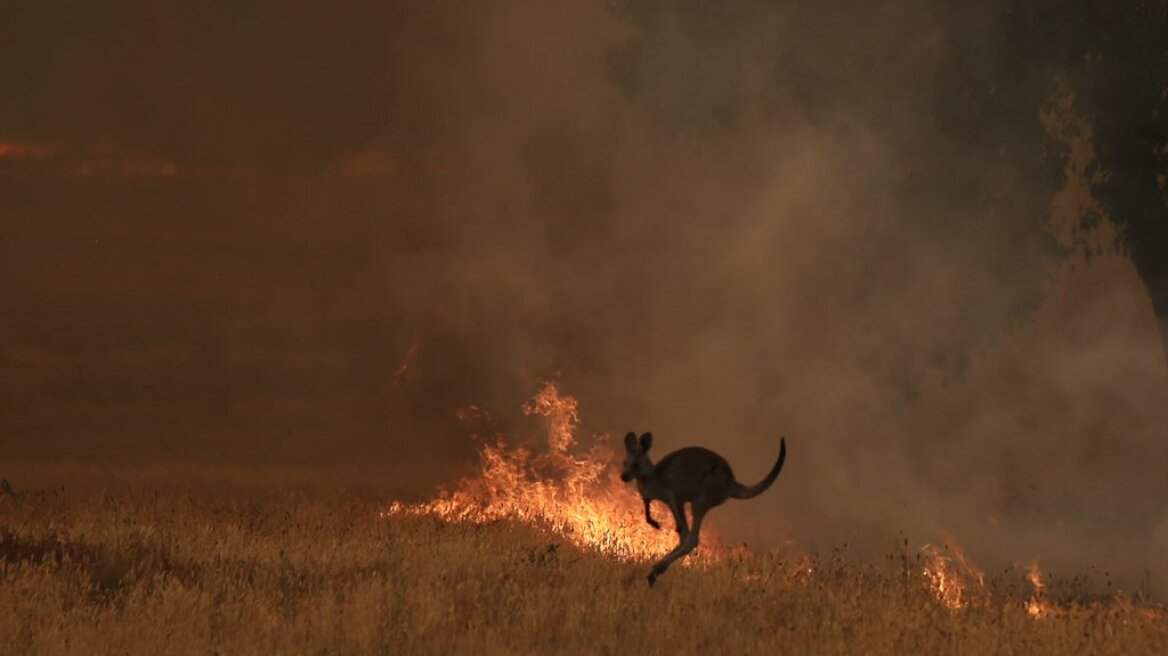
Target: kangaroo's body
(691,475)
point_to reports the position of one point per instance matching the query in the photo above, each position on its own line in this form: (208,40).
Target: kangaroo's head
(637,464)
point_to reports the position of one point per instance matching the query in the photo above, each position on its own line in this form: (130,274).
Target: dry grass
(151,571)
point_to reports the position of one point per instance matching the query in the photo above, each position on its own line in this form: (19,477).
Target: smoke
(290,235)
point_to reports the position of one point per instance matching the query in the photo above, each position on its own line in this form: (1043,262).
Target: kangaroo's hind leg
(687,545)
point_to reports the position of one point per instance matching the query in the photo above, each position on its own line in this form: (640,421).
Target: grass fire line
(579,498)
(161,558)
(582,500)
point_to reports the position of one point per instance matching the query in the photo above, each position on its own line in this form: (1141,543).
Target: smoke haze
(294,236)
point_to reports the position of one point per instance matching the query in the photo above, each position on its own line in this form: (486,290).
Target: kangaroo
(691,475)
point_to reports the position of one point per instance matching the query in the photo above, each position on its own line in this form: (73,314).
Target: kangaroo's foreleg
(687,545)
(678,510)
(649,515)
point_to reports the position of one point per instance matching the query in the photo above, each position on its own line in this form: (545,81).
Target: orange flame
(578,498)
(1037,606)
(953,580)
(24,150)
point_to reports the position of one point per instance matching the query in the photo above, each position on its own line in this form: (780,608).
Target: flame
(562,414)
(578,498)
(1037,606)
(403,370)
(953,580)
(24,150)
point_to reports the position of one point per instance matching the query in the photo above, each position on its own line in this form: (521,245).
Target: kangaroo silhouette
(691,475)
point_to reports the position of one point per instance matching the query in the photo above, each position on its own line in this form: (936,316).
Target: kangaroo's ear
(631,442)
(646,442)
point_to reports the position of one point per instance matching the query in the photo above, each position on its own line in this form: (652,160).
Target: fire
(1037,606)
(952,578)
(24,150)
(578,498)
(562,414)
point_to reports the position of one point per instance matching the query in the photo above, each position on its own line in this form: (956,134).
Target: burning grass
(1037,605)
(199,570)
(577,497)
(953,580)
(541,552)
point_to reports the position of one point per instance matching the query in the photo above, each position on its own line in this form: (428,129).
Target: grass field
(198,567)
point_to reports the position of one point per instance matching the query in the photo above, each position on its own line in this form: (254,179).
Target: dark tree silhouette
(1124,87)
(984,148)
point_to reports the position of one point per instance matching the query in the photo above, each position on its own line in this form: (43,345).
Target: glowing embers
(580,498)
(953,580)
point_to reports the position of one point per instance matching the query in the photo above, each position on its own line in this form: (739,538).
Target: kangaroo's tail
(741,491)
